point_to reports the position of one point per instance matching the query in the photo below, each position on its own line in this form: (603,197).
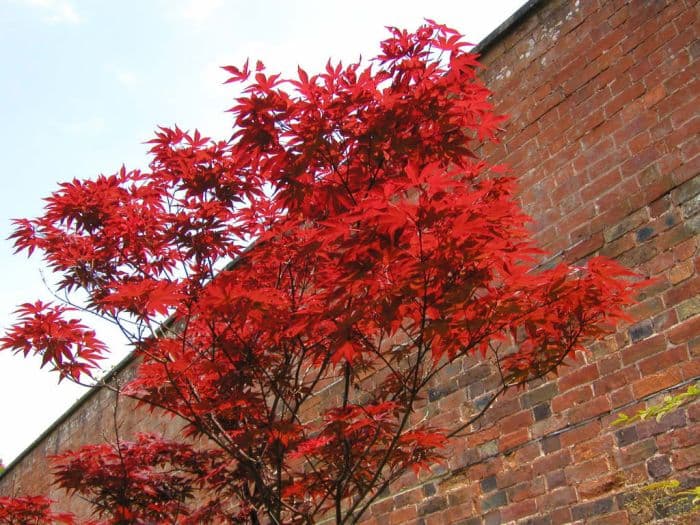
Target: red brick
(603,181)
(690,150)
(553,461)
(682,437)
(599,446)
(687,170)
(679,80)
(645,23)
(615,380)
(685,250)
(599,486)
(618,17)
(666,320)
(694,347)
(686,457)
(664,360)
(694,412)
(636,132)
(502,408)
(662,204)
(614,211)
(549,425)
(560,497)
(461,496)
(637,452)
(579,434)
(640,142)
(683,113)
(685,330)
(439,518)
(654,189)
(528,490)
(579,376)
(646,347)
(681,271)
(654,383)
(382,507)
(519,510)
(526,453)
(609,364)
(653,96)
(514,476)
(487,434)
(691,369)
(647,308)
(684,132)
(587,247)
(674,236)
(572,397)
(509,441)
(620,517)
(624,98)
(403,515)
(595,407)
(587,470)
(561,515)
(409,497)
(517,421)
(660,263)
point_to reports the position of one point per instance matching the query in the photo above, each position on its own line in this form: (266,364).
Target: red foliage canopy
(382,249)
(29,510)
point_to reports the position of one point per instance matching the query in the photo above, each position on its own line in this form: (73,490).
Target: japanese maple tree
(346,238)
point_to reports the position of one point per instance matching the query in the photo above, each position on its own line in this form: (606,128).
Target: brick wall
(603,98)
(603,135)
(94,419)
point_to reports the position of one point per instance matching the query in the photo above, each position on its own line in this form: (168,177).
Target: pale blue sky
(84,84)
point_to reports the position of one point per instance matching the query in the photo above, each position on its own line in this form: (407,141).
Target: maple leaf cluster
(346,239)
(30,509)
(143,481)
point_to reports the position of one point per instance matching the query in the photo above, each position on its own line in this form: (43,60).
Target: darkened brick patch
(641,331)
(542,411)
(498,499)
(488,484)
(594,508)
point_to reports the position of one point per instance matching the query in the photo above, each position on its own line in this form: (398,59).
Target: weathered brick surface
(603,101)
(603,97)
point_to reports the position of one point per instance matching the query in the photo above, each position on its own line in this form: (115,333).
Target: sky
(85,83)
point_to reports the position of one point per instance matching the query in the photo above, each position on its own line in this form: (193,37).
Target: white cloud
(55,11)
